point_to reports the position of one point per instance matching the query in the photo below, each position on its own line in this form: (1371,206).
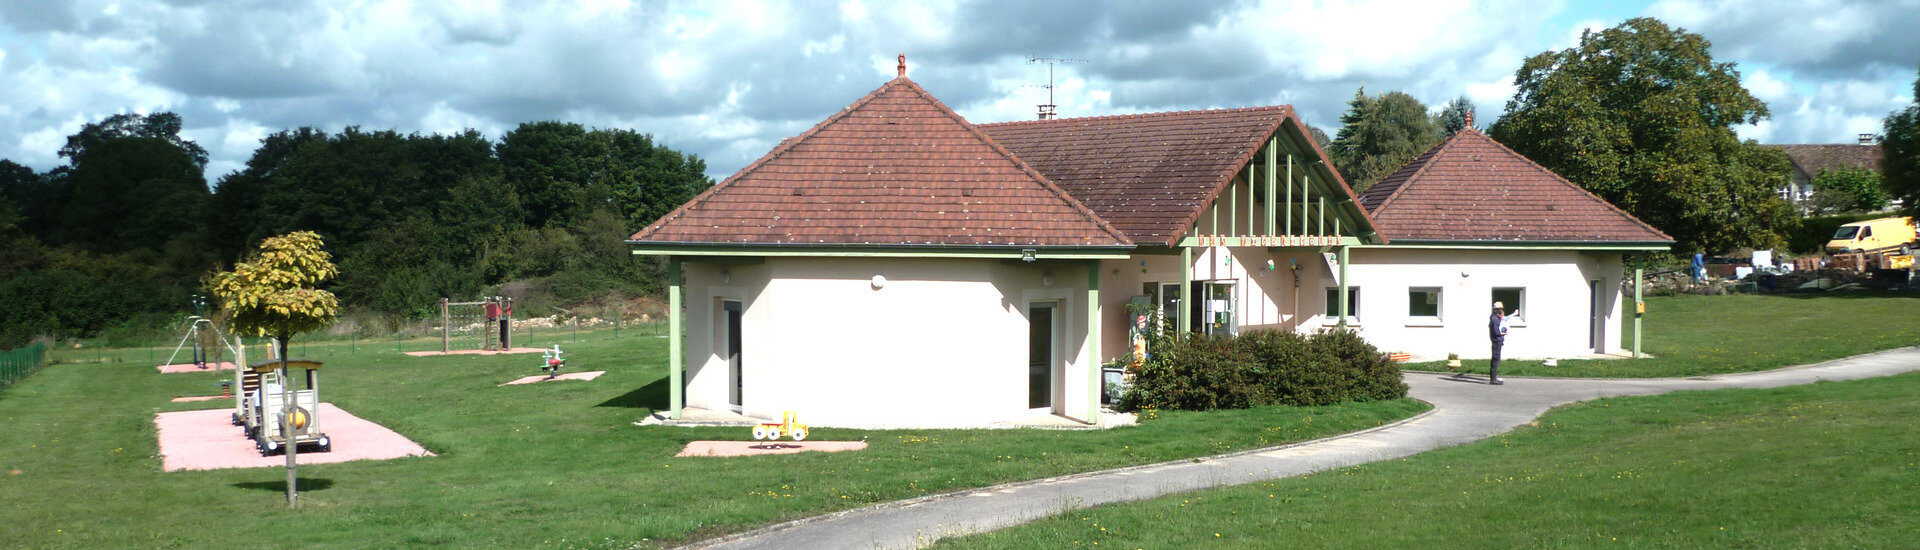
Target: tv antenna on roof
(1047,110)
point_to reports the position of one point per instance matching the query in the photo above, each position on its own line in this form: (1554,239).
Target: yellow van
(1873,236)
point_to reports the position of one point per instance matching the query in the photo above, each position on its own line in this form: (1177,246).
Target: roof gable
(896,167)
(1472,188)
(1151,175)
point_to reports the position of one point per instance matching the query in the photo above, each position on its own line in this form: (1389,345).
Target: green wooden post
(1289,203)
(1637,304)
(1273,219)
(1093,341)
(1344,305)
(1186,289)
(676,357)
(1233,209)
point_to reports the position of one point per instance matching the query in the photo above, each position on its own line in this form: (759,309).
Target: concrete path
(1464,410)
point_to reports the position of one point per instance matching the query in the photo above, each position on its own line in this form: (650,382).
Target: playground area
(553,463)
(207,440)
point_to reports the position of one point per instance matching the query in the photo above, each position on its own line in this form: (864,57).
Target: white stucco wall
(1555,284)
(1557,304)
(943,343)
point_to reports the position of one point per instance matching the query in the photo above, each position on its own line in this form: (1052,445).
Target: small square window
(1513,300)
(1423,302)
(1333,304)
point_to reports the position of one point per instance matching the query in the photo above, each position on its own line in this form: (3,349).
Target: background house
(1809,159)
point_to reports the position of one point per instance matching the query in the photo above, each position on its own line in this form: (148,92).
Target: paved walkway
(1464,410)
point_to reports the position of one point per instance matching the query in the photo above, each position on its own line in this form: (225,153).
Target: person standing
(1497,332)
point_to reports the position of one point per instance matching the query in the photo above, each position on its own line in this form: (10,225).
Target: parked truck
(1874,236)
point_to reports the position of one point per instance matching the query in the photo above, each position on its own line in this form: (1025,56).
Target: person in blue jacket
(1497,332)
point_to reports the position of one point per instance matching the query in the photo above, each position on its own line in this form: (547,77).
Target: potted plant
(1453,361)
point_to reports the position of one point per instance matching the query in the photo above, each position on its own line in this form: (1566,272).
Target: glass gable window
(1513,300)
(1423,302)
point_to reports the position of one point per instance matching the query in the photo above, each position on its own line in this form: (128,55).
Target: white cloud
(728,80)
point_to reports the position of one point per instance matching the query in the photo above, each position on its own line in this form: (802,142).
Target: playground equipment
(464,319)
(204,348)
(266,412)
(772,431)
(551,361)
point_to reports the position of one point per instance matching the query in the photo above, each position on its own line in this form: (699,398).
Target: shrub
(1261,368)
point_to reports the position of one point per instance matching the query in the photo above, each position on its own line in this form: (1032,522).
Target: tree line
(126,230)
(1641,115)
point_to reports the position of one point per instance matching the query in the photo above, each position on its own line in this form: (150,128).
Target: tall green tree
(1378,135)
(36,200)
(1900,163)
(563,172)
(132,184)
(1847,190)
(164,126)
(1641,115)
(1453,117)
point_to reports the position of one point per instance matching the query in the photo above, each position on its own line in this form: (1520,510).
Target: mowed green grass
(1827,465)
(1698,335)
(544,465)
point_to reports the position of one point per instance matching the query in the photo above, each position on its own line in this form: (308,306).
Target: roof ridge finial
(903,65)
(1469,119)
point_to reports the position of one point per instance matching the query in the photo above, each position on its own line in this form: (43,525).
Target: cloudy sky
(728,80)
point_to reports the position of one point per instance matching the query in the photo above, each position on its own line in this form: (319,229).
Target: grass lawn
(1827,465)
(547,465)
(1695,335)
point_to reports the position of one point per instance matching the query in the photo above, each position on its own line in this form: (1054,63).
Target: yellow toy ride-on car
(772,431)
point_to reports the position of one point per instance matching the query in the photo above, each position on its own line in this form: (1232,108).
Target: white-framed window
(1332,313)
(1423,304)
(1513,300)
(1166,299)
(1218,316)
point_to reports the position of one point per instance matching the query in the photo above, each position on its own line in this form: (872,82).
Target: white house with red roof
(1470,223)
(898,266)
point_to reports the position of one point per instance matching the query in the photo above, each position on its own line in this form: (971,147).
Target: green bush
(1261,368)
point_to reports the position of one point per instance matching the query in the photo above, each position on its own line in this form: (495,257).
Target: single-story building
(1472,223)
(898,266)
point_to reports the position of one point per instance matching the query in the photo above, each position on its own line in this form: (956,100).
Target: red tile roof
(1811,159)
(1150,175)
(896,167)
(1472,188)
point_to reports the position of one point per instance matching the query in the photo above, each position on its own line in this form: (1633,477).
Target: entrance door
(733,351)
(1596,332)
(1040,355)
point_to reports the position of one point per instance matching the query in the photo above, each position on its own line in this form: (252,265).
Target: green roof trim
(1617,246)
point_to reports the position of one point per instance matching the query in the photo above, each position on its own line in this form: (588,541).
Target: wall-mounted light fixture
(879,281)
(1027,255)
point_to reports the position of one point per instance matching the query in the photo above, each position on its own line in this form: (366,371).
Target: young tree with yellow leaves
(273,294)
